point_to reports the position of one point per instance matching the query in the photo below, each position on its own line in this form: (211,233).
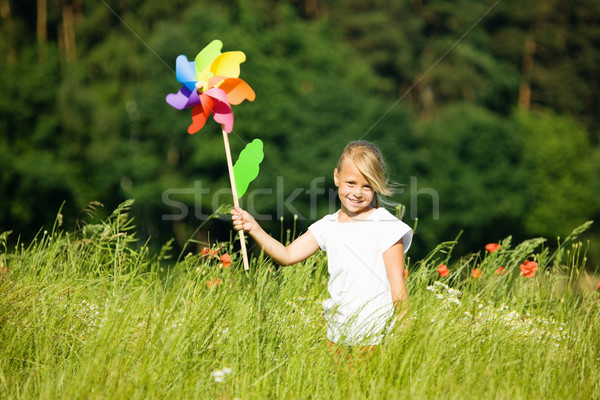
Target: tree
(429,54)
(470,161)
(561,181)
(555,45)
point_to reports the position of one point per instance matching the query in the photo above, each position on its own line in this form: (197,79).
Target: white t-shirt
(360,306)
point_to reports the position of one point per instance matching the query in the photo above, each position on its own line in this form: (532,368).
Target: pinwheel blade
(228,64)
(185,98)
(204,59)
(221,108)
(200,114)
(185,71)
(237,91)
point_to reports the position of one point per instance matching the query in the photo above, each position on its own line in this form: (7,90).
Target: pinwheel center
(201,86)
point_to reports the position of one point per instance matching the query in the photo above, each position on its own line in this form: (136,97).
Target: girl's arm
(300,249)
(393,259)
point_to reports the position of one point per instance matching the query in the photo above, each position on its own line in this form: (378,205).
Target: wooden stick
(236,202)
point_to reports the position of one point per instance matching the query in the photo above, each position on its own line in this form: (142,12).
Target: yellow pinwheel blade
(228,64)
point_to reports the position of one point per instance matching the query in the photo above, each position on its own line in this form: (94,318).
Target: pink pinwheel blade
(221,109)
(184,98)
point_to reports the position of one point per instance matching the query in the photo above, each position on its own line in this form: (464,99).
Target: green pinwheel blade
(247,166)
(206,57)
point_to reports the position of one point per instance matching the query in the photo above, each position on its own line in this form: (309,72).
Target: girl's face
(354,190)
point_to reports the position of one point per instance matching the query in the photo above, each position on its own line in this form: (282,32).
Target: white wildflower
(219,376)
(454,300)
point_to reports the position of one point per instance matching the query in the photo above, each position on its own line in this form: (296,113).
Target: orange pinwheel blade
(200,114)
(237,90)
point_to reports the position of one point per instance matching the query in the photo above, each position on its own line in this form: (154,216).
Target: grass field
(91,314)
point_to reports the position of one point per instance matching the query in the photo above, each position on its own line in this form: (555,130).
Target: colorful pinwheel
(211,85)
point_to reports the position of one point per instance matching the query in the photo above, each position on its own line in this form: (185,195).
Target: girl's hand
(242,220)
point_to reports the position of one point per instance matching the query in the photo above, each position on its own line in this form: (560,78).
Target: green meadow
(92,314)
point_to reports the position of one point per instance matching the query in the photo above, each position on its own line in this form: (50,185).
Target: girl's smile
(354,190)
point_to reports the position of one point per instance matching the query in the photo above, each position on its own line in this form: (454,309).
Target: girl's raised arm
(300,249)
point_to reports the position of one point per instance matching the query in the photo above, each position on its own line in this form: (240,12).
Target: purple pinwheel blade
(185,71)
(185,98)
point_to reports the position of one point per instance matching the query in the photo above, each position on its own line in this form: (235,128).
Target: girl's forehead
(348,167)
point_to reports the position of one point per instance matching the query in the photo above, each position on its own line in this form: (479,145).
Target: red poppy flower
(443,270)
(405,273)
(476,273)
(501,271)
(528,269)
(226,260)
(207,252)
(213,282)
(492,247)
(598,285)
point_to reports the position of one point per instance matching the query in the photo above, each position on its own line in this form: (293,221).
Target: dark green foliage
(560,188)
(435,84)
(36,173)
(471,160)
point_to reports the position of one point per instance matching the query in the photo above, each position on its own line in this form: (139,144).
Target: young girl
(365,247)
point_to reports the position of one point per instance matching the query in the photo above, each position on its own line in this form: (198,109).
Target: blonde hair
(369,161)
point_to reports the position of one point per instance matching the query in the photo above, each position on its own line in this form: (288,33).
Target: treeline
(486,112)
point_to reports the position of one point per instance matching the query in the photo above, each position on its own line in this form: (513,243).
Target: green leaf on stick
(247,166)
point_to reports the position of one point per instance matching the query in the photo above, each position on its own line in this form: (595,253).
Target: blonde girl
(365,246)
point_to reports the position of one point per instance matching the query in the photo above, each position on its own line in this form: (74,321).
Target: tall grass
(91,315)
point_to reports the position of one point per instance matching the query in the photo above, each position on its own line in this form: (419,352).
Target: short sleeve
(392,230)
(319,229)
